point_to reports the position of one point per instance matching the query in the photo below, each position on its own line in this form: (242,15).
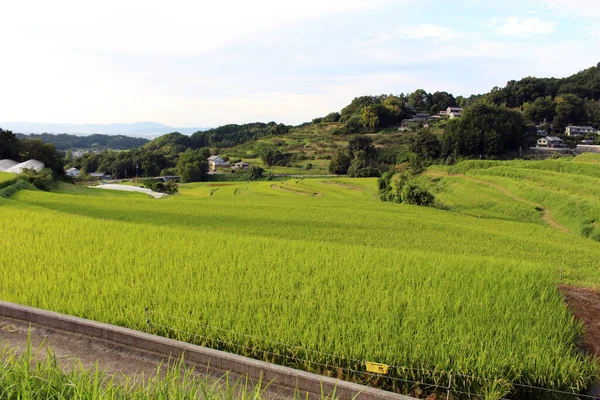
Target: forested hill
(63,142)
(559,102)
(585,85)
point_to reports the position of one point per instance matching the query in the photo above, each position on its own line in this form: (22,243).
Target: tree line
(21,150)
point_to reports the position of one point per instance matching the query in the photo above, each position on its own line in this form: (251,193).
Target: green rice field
(6,179)
(319,274)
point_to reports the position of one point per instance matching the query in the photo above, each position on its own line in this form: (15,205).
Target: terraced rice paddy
(6,179)
(323,282)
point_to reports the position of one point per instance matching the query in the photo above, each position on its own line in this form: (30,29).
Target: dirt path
(546,214)
(114,359)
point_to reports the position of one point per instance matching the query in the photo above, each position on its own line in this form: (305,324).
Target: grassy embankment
(34,376)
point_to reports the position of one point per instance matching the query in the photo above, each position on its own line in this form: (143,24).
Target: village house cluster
(557,144)
(216,164)
(422,119)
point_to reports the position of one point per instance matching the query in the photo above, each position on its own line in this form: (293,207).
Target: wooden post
(148,320)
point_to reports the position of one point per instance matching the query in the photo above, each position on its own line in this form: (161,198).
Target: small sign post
(377,368)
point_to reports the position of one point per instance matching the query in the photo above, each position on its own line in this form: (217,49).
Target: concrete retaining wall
(218,360)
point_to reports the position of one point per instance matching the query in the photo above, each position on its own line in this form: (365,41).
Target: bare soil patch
(585,304)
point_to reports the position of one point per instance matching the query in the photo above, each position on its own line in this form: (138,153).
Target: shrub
(40,179)
(8,191)
(169,187)
(414,194)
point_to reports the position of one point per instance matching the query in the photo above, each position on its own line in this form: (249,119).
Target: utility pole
(137,165)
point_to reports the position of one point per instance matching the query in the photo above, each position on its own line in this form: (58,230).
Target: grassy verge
(32,376)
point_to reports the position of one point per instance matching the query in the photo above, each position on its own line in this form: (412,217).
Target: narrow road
(127,188)
(546,214)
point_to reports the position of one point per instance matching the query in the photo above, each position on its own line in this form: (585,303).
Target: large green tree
(46,153)
(484,129)
(362,143)
(542,109)
(569,111)
(9,145)
(420,100)
(340,162)
(425,145)
(441,101)
(192,166)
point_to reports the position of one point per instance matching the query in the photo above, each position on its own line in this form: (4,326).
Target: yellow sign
(377,368)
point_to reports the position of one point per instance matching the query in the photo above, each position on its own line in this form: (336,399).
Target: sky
(209,63)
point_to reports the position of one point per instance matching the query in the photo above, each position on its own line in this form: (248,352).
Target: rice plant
(321,283)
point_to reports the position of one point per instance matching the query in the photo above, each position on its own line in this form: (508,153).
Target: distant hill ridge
(64,142)
(139,129)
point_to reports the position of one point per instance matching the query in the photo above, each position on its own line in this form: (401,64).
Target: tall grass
(32,376)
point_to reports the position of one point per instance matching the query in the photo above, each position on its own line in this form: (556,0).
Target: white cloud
(430,32)
(154,26)
(414,32)
(130,60)
(583,8)
(519,27)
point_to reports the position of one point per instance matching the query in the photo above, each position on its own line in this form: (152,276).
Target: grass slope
(7,179)
(569,188)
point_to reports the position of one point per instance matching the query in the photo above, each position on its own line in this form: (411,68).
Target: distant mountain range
(138,129)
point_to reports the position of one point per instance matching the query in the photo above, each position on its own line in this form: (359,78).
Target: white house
(551,142)
(579,130)
(73,172)
(454,112)
(215,162)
